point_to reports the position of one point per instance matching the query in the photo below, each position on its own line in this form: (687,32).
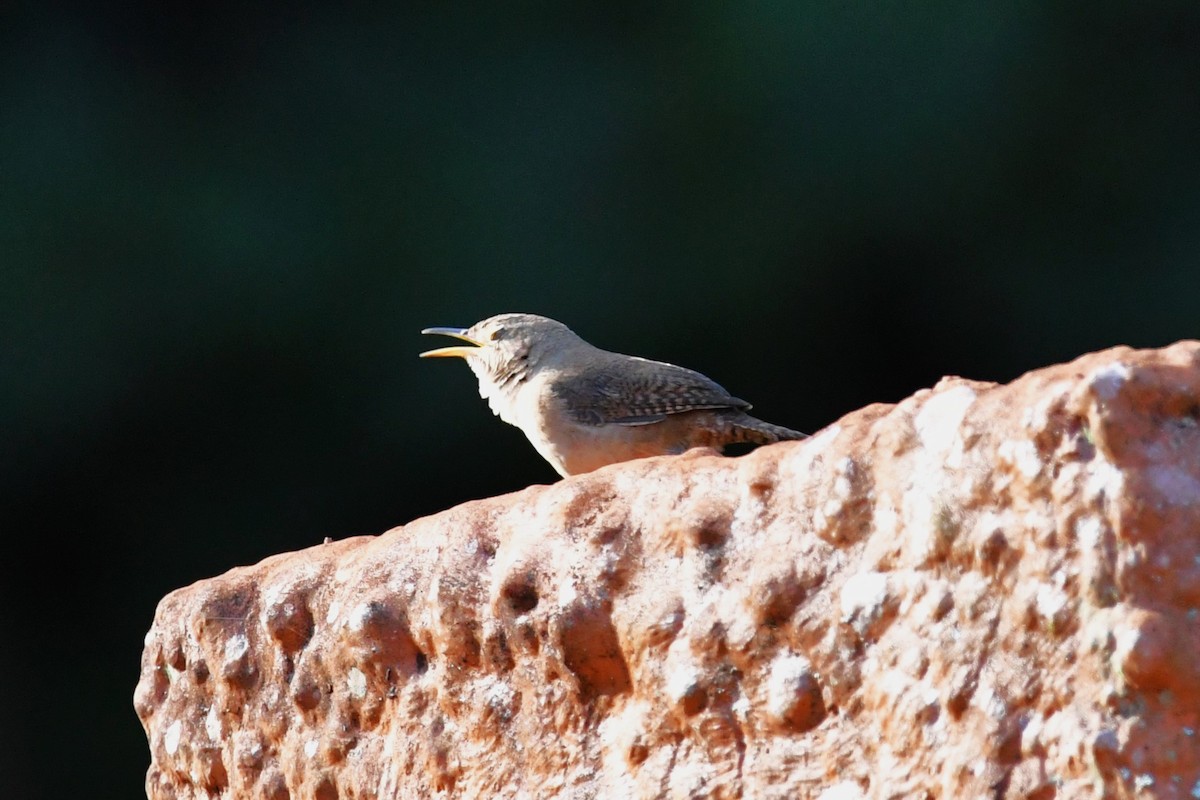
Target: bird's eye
(498,334)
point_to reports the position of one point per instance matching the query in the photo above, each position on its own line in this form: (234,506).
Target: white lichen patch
(236,647)
(940,418)
(929,695)
(934,471)
(356,683)
(987,700)
(1107,381)
(1126,637)
(885,521)
(682,683)
(801,459)
(844,469)
(1088,530)
(359,617)
(1031,734)
(499,696)
(917,510)
(790,678)
(846,790)
(741,708)
(972,591)
(689,779)
(212,724)
(863,599)
(1105,479)
(738,612)
(331,616)
(863,592)
(1050,601)
(894,683)
(171,737)
(623,739)
(1022,454)
(827,515)
(568,594)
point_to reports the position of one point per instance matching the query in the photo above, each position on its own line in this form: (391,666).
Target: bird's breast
(573,447)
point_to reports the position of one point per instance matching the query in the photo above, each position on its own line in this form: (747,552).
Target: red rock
(983,591)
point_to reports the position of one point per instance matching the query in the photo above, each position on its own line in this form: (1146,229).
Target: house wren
(584,408)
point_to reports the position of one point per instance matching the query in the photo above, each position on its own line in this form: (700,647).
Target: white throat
(501,398)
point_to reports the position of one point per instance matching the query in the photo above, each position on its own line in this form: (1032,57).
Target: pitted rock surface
(982,591)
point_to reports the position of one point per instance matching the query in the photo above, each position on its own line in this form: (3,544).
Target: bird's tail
(751,430)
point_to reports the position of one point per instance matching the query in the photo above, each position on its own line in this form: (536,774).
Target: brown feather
(624,390)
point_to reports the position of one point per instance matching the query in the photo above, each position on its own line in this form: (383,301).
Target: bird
(584,408)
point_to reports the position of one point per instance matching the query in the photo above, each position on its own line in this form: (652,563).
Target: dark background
(221,231)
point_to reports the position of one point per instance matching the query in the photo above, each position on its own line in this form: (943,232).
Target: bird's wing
(634,391)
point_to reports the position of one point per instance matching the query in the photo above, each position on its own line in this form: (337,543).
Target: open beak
(456,351)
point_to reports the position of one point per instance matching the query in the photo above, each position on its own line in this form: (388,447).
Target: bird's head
(504,349)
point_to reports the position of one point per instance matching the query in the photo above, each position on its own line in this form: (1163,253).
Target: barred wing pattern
(635,391)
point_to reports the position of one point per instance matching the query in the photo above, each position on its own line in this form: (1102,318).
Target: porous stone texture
(982,591)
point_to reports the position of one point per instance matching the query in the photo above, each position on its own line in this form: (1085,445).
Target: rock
(983,591)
